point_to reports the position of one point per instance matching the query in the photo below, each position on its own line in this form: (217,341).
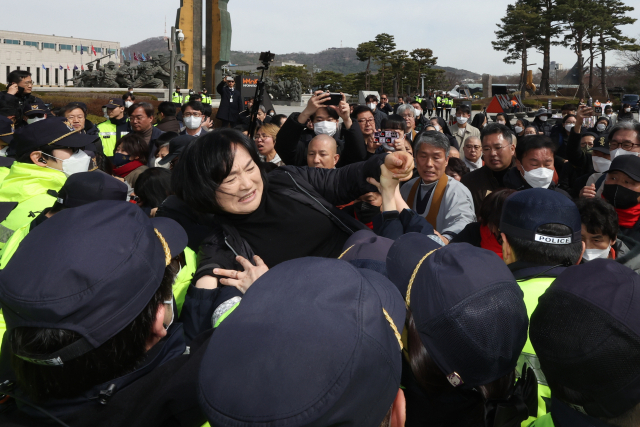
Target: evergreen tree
(385,44)
(424,59)
(365,53)
(517,33)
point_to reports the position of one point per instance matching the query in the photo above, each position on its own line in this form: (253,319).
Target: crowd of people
(167,268)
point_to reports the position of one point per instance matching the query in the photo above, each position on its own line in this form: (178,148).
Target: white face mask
(501,122)
(158,165)
(543,118)
(437,128)
(3,152)
(128,104)
(462,120)
(569,126)
(601,127)
(622,152)
(627,110)
(35,119)
(539,178)
(372,106)
(192,122)
(519,129)
(78,162)
(326,128)
(170,304)
(591,254)
(418,113)
(600,164)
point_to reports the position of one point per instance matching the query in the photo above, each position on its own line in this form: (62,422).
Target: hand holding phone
(386,138)
(13,89)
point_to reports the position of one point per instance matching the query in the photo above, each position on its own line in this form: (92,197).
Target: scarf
(125,170)
(488,241)
(627,218)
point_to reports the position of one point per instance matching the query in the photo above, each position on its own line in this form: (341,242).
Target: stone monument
(218,40)
(487,81)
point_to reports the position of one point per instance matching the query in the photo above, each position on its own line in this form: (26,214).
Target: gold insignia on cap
(455,379)
(34,107)
(393,326)
(69,125)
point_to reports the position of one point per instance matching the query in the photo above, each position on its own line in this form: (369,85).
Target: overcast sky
(459,32)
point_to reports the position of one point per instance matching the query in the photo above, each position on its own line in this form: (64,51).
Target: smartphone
(335,99)
(386,138)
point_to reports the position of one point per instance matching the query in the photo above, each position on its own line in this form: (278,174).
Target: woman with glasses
(265,140)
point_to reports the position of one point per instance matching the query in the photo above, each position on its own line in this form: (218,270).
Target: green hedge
(3,87)
(476,106)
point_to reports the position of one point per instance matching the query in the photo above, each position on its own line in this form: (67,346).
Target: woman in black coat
(285,214)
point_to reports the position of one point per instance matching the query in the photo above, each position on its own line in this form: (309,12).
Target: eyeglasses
(384,99)
(28,83)
(257,137)
(192,115)
(473,147)
(625,145)
(366,121)
(586,144)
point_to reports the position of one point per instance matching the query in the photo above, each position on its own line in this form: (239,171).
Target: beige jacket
(468,131)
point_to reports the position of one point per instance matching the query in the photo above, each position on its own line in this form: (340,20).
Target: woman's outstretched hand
(243,279)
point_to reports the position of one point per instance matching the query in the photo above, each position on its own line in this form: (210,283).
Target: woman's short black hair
(598,217)
(491,207)
(153,186)
(564,119)
(393,122)
(135,146)
(205,163)
(458,166)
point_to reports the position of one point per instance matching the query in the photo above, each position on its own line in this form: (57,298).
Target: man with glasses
(498,151)
(192,117)
(472,153)
(19,87)
(141,116)
(367,123)
(384,104)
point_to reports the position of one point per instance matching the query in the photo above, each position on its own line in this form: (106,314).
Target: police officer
(46,153)
(6,136)
(35,111)
(176,97)
(541,237)
(115,128)
(439,104)
(346,366)
(473,333)
(206,99)
(112,354)
(586,333)
(448,105)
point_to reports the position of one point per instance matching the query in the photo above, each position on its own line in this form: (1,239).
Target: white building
(50,59)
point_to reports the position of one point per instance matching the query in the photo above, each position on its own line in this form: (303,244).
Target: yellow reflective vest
(108,133)
(28,185)
(206,99)
(183,279)
(176,98)
(533,289)
(543,421)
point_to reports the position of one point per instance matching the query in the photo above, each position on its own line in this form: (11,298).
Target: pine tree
(424,59)
(365,53)
(385,44)
(517,33)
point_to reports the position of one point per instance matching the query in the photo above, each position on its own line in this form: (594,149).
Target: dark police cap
(6,130)
(467,307)
(114,103)
(90,269)
(319,345)
(35,107)
(86,187)
(365,249)
(525,211)
(630,165)
(600,143)
(586,333)
(56,131)
(176,145)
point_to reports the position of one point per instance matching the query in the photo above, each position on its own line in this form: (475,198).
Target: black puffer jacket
(321,189)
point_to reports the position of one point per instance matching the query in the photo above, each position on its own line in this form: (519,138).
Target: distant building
(44,55)
(552,66)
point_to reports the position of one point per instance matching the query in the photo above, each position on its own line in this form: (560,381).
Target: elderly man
(409,114)
(141,123)
(322,152)
(498,149)
(446,203)
(463,129)
(473,153)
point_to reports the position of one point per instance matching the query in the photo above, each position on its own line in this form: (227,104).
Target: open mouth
(248,198)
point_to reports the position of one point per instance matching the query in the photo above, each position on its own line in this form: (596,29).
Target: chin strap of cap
(57,358)
(413,277)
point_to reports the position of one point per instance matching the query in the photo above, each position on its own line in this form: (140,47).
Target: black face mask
(620,197)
